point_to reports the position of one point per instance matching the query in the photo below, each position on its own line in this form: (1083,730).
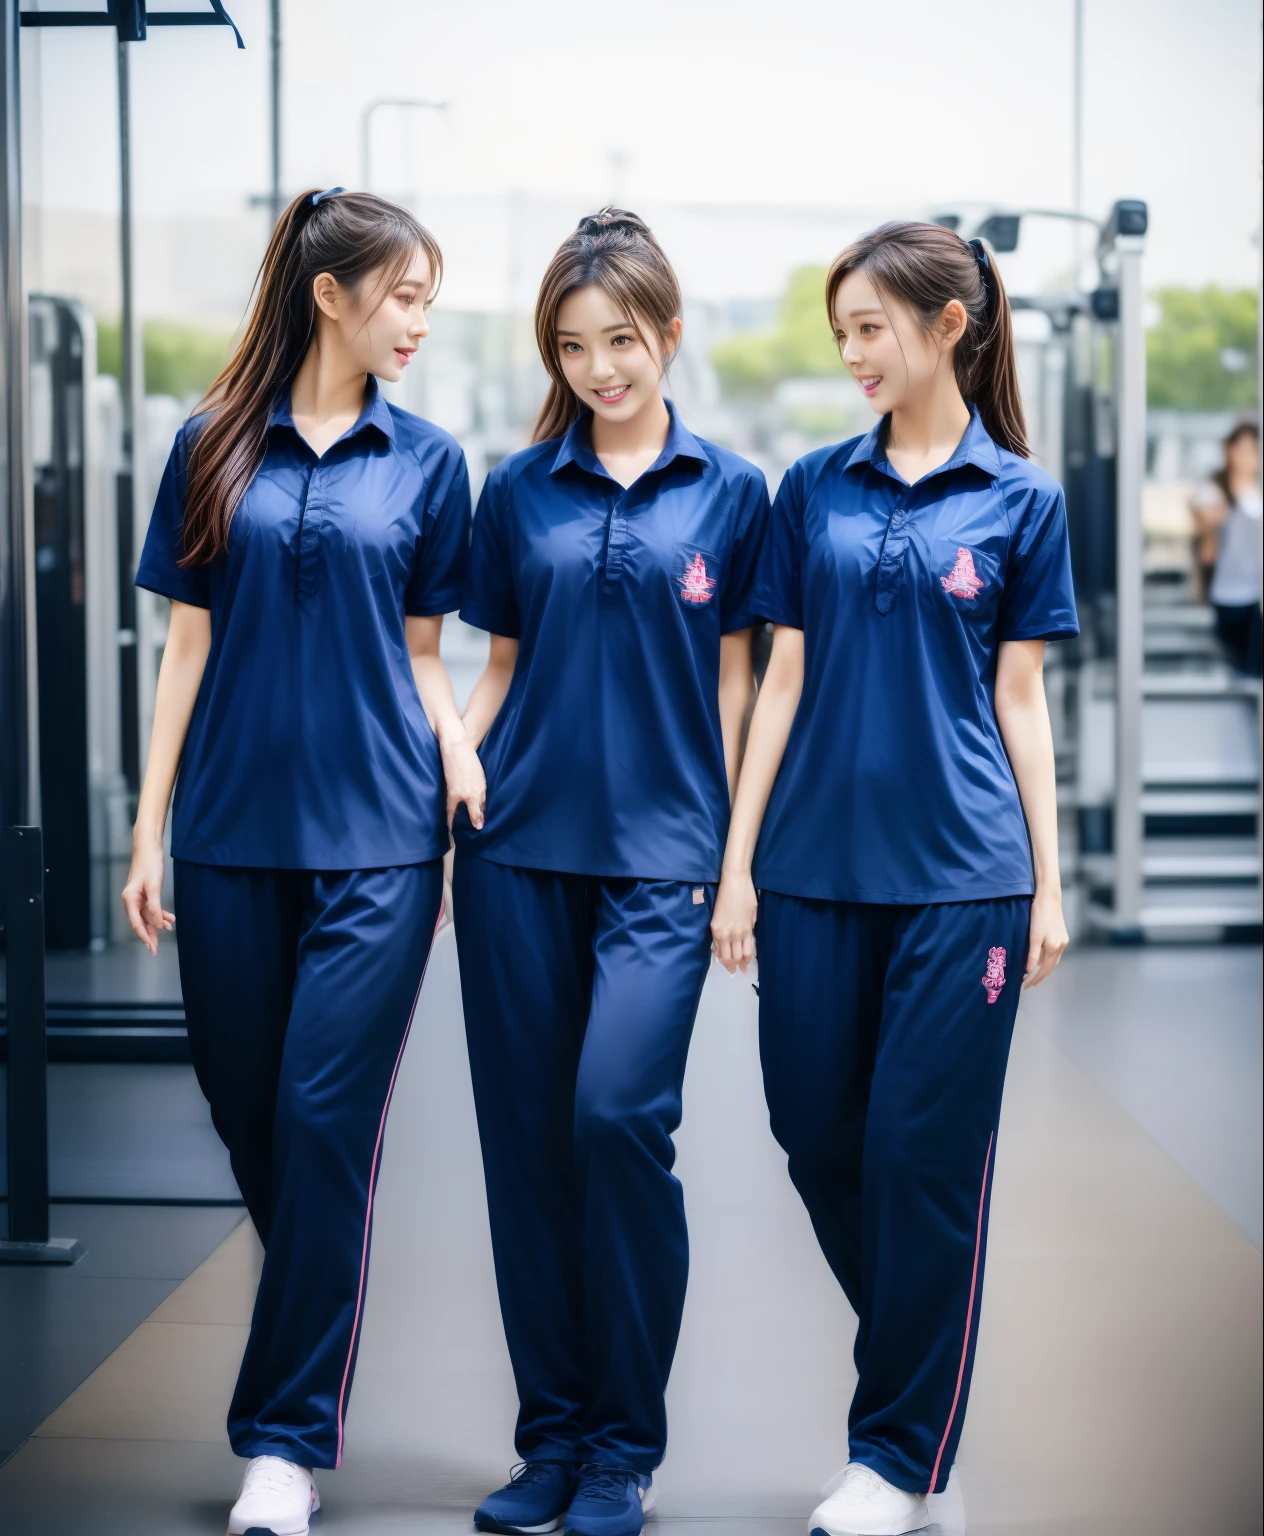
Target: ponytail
(614,251)
(350,235)
(925,267)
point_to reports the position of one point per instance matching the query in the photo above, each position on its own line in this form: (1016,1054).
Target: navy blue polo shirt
(606,757)
(308,747)
(895,786)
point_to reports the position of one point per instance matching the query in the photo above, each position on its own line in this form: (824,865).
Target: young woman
(310,538)
(612,563)
(1227,513)
(901,748)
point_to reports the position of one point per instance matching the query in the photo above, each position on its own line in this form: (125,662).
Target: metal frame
(21,846)
(1130,375)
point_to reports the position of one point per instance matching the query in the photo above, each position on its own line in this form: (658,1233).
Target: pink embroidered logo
(963,580)
(695,584)
(994,977)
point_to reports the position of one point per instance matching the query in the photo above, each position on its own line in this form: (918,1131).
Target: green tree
(180,360)
(1201,355)
(801,345)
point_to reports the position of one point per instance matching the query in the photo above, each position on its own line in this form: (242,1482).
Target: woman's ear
(327,291)
(671,338)
(953,321)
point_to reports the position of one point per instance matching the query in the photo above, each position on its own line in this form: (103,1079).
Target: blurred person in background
(900,762)
(310,537)
(1227,515)
(612,564)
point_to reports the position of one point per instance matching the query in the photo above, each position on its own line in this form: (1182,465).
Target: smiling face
(613,371)
(379,331)
(882,346)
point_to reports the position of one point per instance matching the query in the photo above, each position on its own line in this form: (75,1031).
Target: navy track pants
(299,989)
(884,1033)
(580,995)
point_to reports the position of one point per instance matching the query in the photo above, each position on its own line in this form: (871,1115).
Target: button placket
(891,561)
(311,516)
(616,542)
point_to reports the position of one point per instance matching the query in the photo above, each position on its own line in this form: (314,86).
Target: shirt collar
(975,447)
(576,446)
(374,413)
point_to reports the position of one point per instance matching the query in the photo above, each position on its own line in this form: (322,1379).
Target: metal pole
(16,652)
(1129,655)
(1077,126)
(22,856)
(130,379)
(276,110)
(21,847)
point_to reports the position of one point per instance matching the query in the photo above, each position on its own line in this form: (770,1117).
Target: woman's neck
(923,433)
(639,434)
(327,386)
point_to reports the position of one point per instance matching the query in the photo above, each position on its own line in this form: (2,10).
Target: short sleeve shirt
(606,757)
(308,747)
(895,785)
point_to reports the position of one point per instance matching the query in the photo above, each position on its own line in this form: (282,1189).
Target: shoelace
(861,1482)
(605,1483)
(531,1471)
(272,1474)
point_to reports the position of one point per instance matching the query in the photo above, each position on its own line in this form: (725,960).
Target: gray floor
(1173,1035)
(58,1324)
(1118,1383)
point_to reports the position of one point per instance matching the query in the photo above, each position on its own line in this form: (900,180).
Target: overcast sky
(907,104)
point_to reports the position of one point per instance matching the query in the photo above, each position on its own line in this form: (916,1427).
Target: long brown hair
(612,250)
(925,266)
(347,234)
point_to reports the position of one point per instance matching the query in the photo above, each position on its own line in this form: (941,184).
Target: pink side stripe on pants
(965,1343)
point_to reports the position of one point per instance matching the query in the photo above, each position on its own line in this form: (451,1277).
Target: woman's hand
(142,895)
(733,922)
(463,774)
(1048,937)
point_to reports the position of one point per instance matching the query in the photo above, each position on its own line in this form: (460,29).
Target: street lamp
(366,118)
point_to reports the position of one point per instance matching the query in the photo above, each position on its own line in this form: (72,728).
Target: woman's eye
(620,341)
(571,347)
(868,330)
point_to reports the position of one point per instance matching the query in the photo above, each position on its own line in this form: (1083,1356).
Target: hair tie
(317,198)
(984,263)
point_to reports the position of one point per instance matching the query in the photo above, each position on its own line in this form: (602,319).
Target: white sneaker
(861,1503)
(277,1498)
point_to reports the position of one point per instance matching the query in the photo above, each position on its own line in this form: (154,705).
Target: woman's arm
(462,771)
(1023,716)
(490,690)
(179,678)
(733,922)
(737,682)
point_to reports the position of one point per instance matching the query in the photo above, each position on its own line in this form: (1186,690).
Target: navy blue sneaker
(534,1499)
(610,1501)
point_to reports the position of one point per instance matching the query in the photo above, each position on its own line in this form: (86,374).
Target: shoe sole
(502,1528)
(923,1521)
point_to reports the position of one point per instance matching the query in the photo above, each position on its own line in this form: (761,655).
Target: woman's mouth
(869,382)
(614,394)
(404,356)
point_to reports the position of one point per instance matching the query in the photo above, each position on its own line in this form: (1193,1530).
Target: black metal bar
(101,19)
(27,1086)
(131,391)
(15,659)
